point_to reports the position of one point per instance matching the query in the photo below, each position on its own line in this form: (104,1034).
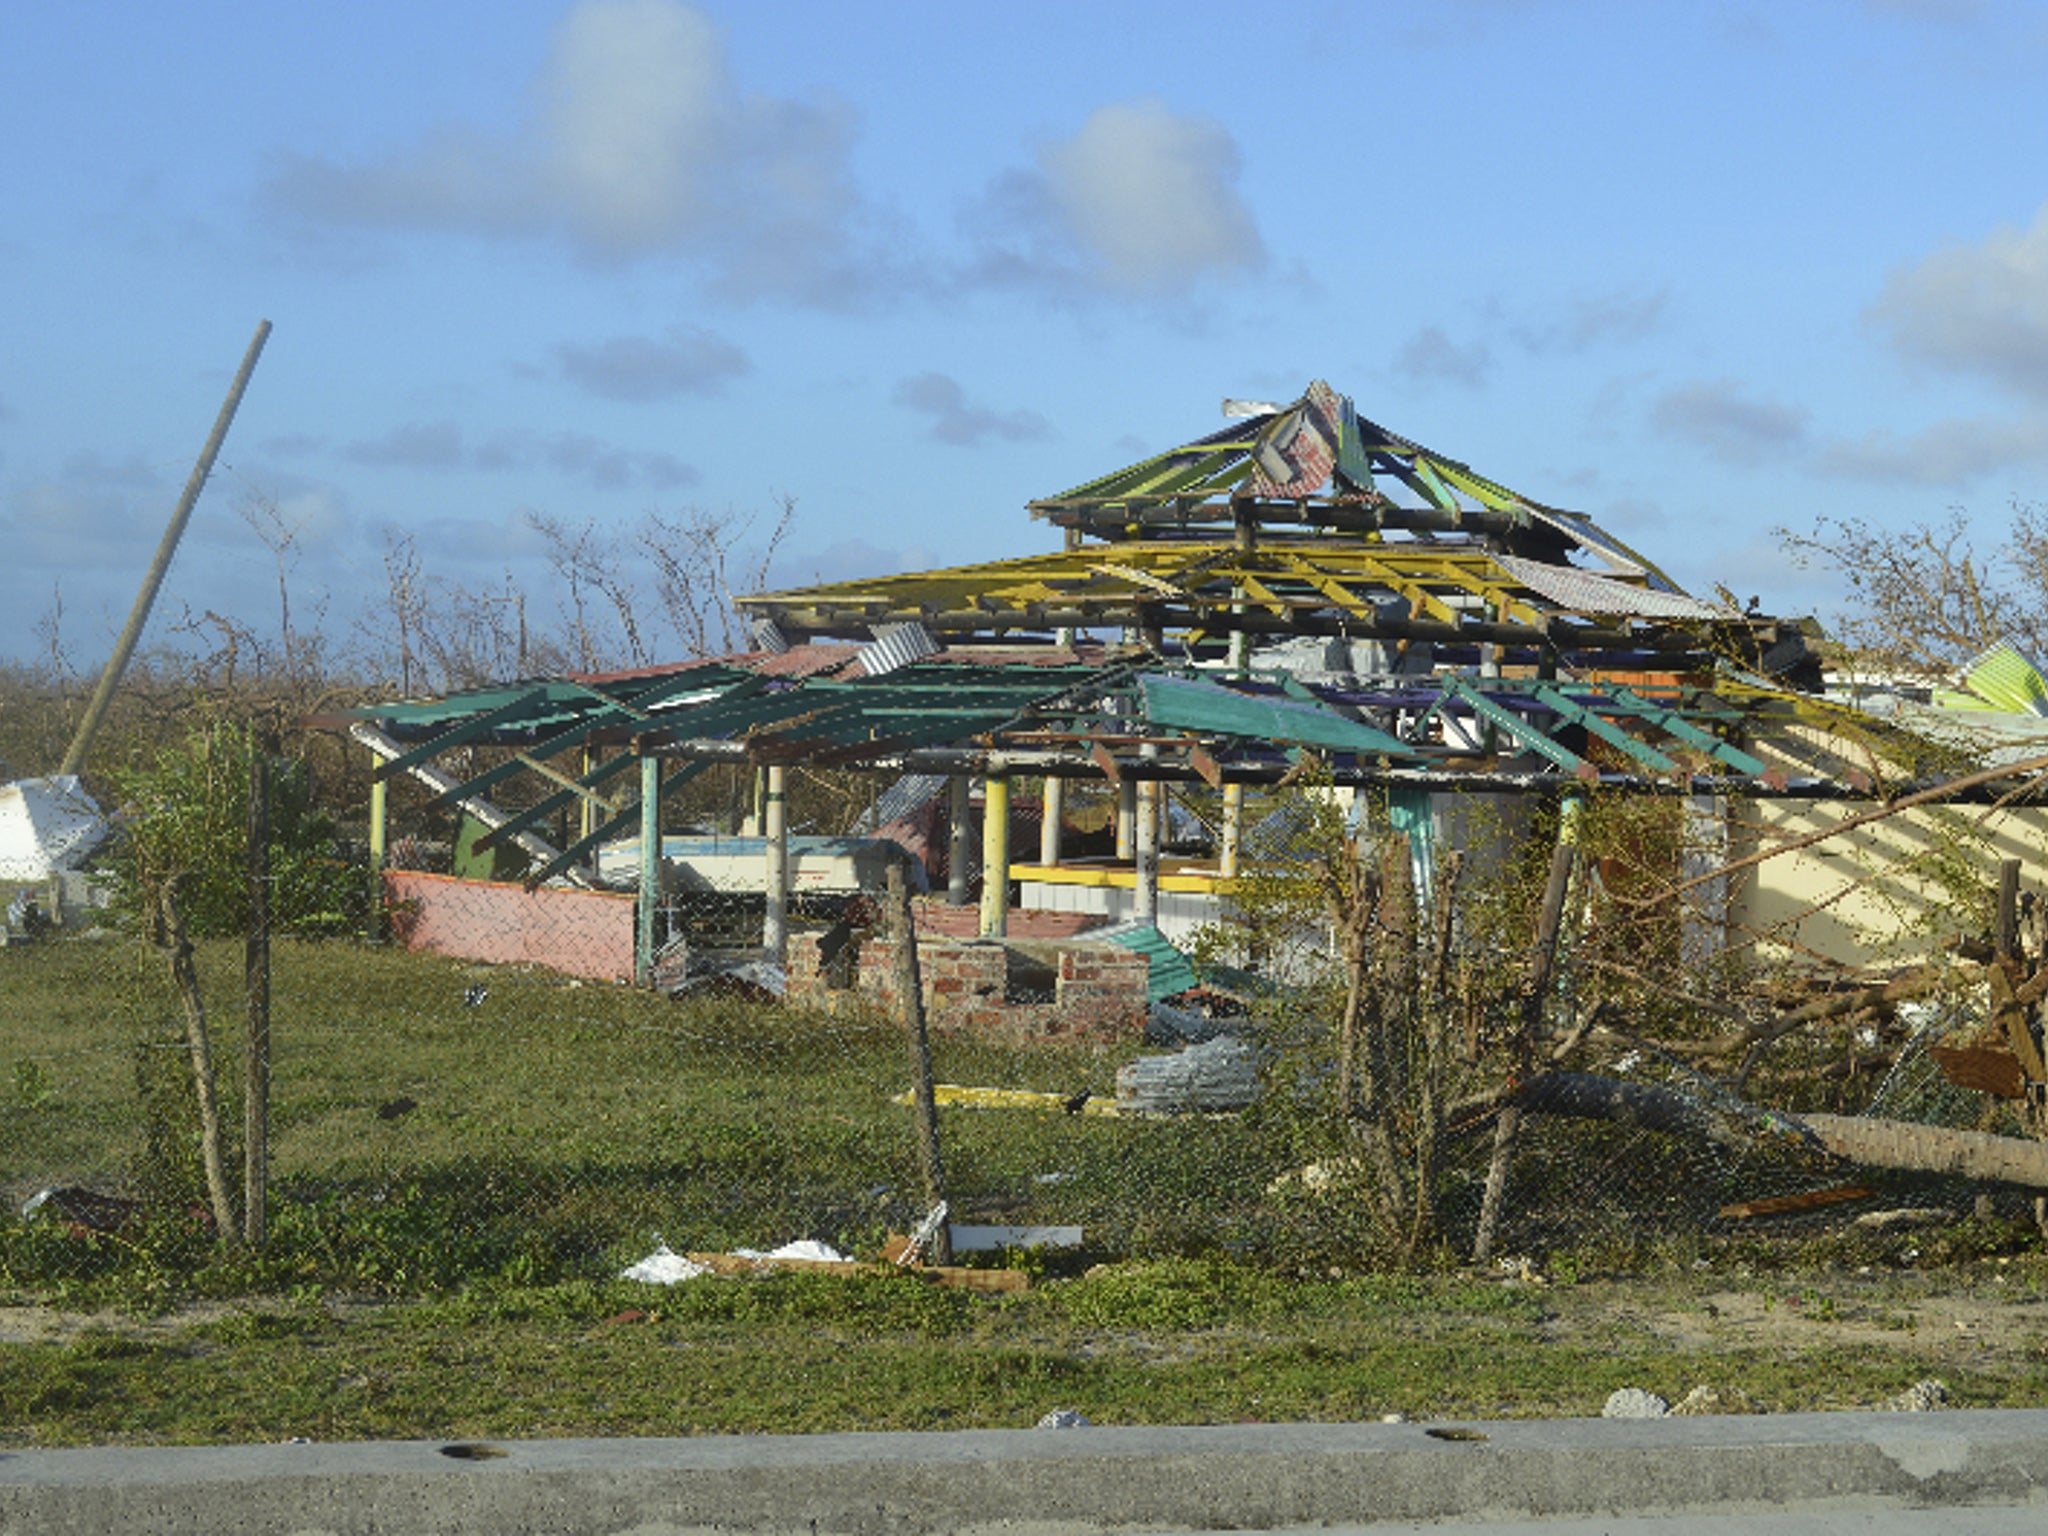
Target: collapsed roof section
(1311,520)
(1317,464)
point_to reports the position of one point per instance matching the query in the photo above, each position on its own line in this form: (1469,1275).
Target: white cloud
(1947,455)
(639,144)
(1140,201)
(442,446)
(1431,356)
(1979,309)
(1583,323)
(1722,418)
(684,361)
(954,419)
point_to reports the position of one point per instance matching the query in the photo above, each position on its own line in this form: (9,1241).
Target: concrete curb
(1043,1482)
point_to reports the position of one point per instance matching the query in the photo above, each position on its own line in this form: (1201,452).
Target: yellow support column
(995,857)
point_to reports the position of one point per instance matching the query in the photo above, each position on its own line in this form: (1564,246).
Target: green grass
(1172,1343)
(552,1133)
(456,1187)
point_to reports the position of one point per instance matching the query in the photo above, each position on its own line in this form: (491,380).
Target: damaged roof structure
(1303,581)
(1303,589)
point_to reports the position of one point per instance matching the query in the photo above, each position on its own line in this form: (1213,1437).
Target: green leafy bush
(188,815)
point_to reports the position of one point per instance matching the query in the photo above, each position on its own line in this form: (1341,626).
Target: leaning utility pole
(138,618)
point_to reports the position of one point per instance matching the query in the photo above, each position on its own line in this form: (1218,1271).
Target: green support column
(995,858)
(650,866)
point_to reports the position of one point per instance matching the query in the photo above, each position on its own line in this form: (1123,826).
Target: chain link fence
(489,1089)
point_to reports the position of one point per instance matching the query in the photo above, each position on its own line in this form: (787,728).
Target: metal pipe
(138,616)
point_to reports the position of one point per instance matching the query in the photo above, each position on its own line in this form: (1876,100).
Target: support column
(1233,794)
(586,814)
(995,857)
(1126,820)
(1145,896)
(775,921)
(1233,831)
(1052,810)
(959,839)
(378,803)
(650,867)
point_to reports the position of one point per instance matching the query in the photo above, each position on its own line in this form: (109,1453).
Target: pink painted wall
(579,933)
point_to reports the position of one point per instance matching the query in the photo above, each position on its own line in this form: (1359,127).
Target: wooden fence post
(1542,966)
(910,993)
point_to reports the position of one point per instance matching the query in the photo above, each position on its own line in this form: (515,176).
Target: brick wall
(1098,989)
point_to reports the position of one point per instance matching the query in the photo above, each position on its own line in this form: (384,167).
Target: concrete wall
(579,933)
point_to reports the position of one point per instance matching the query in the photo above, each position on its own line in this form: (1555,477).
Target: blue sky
(1701,268)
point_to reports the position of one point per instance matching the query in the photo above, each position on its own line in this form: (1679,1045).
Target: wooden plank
(1982,1069)
(1810,1200)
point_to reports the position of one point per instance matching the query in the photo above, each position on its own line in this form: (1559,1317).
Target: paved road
(1962,1473)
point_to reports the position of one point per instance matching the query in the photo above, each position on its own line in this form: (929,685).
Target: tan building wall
(1882,894)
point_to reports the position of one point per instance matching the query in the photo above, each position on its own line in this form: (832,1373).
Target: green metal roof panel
(1190,704)
(1171,974)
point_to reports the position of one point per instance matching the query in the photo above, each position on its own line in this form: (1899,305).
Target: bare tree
(693,556)
(1927,597)
(280,535)
(408,605)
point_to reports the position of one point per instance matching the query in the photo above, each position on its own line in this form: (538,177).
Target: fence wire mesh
(490,1090)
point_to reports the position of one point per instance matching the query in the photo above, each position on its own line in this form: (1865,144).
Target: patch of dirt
(1965,1327)
(50,1325)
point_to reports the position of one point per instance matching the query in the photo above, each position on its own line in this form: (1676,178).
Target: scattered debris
(83,1210)
(1704,1399)
(955,1096)
(922,1235)
(1167,1025)
(994,1239)
(1065,1418)
(47,826)
(1217,1076)
(25,916)
(664,1266)
(1905,1217)
(1319,1178)
(1635,1403)
(475,995)
(745,978)
(1921,1397)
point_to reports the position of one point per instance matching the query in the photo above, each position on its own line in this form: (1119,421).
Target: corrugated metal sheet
(1188,705)
(1583,592)
(1171,972)
(897,645)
